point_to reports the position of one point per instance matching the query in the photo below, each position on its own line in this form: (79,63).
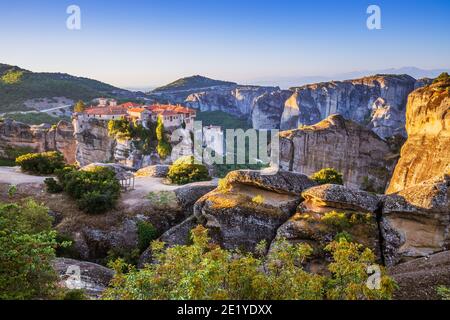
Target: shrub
(41,163)
(444,76)
(146,234)
(96,191)
(53,186)
(27,249)
(205,271)
(12,190)
(328,175)
(187,173)
(443,292)
(75,294)
(94,202)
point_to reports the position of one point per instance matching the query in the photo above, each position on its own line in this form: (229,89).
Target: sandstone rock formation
(249,207)
(418,279)
(327,211)
(42,138)
(416,221)
(426,152)
(93,278)
(377,102)
(364,159)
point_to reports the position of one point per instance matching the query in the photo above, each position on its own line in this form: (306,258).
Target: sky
(139,43)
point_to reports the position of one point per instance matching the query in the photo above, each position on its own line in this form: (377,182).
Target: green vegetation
(443,292)
(53,186)
(444,76)
(75,294)
(41,163)
(193,82)
(45,85)
(146,234)
(35,118)
(205,271)
(27,248)
(11,153)
(164,148)
(12,77)
(344,220)
(79,106)
(223,119)
(143,138)
(186,173)
(327,175)
(96,191)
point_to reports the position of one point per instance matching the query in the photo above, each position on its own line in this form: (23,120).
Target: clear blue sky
(148,43)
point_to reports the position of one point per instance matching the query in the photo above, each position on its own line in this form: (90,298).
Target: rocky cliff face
(377,102)
(426,152)
(364,159)
(16,135)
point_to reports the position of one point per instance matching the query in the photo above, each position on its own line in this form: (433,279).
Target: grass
(223,119)
(192,83)
(35,118)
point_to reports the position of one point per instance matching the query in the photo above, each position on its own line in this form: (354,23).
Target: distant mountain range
(287,82)
(21,89)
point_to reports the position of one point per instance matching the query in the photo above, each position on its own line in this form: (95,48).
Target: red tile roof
(130,105)
(117,110)
(137,110)
(176,109)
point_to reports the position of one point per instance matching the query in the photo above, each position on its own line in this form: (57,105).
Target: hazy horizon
(145,44)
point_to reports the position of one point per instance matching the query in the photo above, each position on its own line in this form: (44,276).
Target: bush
(95,202)
(96,191)
(187,173)
(27,249)
(146,234)
(203,271)
(41,163)
(75,294)
(53,186)
(328,175)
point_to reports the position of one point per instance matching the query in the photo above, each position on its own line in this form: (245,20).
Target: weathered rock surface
(416,221)
(418,279)
(93,278)
(340,197)
(426,152)
(157,171)
(360,100)
(250,207)
(40,138)
(364,159)
(327,211)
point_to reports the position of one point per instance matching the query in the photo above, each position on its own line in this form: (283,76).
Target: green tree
(27,248)
(164,148)
(327,175)
(79,106)
(205,271)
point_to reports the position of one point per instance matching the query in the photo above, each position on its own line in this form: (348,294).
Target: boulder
(248,207)
(341,197)
(416,221)
(419,279)
(157,171)
(327,211)
(90,277)
(365,160)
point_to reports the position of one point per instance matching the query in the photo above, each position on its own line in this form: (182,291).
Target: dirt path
(13,175)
